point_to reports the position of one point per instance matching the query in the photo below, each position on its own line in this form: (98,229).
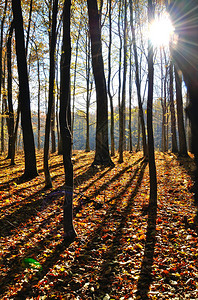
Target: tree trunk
(29,26)
(184,18)
(172,110)
(1,45)
(3,112)
(130,96)
(137,81)
(65,125)
(119,69)
(180,115)
(10,104)
(75,72)
(87,145)
(28,137)
(109,83)
(122,139)
(102,156)
(48,182)
(39,101)
(152,167)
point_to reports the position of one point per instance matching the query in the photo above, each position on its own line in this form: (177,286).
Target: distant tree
(28,138)
(102,156)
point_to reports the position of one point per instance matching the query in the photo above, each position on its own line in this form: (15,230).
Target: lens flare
(161,31)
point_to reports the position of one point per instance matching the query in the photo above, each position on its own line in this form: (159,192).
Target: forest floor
(122,251)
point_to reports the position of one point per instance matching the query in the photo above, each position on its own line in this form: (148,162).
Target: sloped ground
(123,250)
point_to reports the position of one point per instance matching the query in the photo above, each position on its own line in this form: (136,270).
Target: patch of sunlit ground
(110,217)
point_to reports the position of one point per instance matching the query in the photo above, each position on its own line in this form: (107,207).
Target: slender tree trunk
(29,26)
(3,111)
(172,110)
(180,115)
(53,131)
(39,103)
(152,167)
(28,137)
(102,156)
(122,140)
(2,79)
(137,81)
(48,182)
(75,72)
(1,44)
(119,68)
(87,145)
(10,104)
(130,96)
(65,124)
(109,83)
(138,138)
(163,106)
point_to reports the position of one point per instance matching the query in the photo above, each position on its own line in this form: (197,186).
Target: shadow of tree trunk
(146,276)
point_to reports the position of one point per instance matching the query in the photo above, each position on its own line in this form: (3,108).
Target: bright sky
(161,31)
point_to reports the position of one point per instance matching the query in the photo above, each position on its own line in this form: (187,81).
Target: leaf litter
(107,259)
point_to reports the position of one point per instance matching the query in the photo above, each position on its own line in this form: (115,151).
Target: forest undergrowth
(116,255)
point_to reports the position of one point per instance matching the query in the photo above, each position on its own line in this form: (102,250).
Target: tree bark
(152,167)
(122,140)
(10,104)
(65,124)
(180,115)
(184,18)
(102,156)
(1,44)
(109,82)
(137,81)
(130,96)
(172,110)
(28,137)
(87,144)
(48,182)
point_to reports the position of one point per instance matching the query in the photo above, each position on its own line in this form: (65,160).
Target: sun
(161,30)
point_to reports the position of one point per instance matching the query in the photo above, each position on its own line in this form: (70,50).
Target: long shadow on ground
(87,249)
(146,277)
